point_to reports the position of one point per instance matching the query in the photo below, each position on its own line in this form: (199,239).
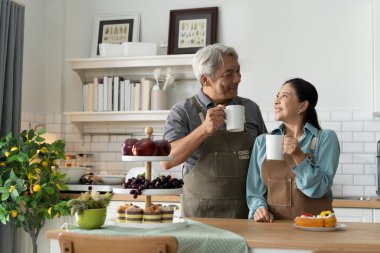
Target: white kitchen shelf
(132,118)
(133,67)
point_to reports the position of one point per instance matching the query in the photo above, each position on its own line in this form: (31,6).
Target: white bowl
(73,174)
(112,179)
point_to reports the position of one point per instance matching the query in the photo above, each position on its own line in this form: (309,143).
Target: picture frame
(191,29)
(115,29)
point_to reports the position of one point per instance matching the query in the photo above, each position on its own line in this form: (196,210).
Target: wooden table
(281,235)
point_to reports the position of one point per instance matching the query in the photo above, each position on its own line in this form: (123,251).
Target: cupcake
(121,212)
(134,214)
(167,214)
(152,214)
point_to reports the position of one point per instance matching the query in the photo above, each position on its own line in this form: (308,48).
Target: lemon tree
(30,183)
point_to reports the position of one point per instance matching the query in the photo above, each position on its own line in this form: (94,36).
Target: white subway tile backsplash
(324,115)
(358,132)
(353,169)
(364,158)
(352,126)
(333,125)
(107,156)
(370,169)
(351,147)
(353,190)
(370,190)
(345,158)
(344,136)
(372,126)
(364,137)
(344,179)
(364,180)
(341,116)
(362,115)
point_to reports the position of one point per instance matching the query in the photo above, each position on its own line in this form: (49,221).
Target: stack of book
(115,93)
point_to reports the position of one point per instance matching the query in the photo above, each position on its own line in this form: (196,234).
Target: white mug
(274,145)
(235,118)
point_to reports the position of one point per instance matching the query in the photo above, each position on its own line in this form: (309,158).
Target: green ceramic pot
(91,218)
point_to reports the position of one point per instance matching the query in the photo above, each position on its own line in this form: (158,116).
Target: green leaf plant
(30,182)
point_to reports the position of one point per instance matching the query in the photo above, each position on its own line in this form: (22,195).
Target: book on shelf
(85,97)
(127,95)
(90,99)
(100,95)
(96,93)
(110,94)
(115,90)
(122,95)
(105,92)
(146,86)
(136,97)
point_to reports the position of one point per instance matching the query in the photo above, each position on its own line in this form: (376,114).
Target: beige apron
(284,199)
(216,185)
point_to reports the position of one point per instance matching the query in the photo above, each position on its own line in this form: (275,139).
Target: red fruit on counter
(163,147)
(127,146)
(144,147)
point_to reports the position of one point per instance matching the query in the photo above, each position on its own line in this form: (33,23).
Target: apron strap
(312,147)
(198,107)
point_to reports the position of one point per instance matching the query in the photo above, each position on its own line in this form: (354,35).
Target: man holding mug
(215,161)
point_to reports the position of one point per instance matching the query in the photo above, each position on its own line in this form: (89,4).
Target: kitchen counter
(282,235)
(352,202)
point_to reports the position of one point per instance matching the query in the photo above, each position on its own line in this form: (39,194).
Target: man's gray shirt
(184,118)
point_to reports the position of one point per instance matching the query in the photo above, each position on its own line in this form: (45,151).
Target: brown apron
(216,185)
(284,199)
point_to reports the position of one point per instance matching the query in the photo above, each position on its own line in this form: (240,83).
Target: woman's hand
(263,215)
(291,148)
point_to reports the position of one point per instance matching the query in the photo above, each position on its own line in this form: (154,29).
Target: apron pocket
(279,192)
(225,164)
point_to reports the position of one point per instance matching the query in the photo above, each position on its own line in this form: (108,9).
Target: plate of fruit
(145,147)
(163,185)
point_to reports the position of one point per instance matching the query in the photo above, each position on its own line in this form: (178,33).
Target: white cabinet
(376,215)
(354,214)
(132,68)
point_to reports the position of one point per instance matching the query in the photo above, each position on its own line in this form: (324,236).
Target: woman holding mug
(301,182)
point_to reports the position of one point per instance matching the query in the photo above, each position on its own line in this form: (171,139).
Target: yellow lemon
(11,188)
(7,154)
(36,187)
(43,150)
(2,164)
(14,213)
(49,211)
(44,164)
(14,148)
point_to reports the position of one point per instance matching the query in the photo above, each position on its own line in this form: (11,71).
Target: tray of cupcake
(155,216)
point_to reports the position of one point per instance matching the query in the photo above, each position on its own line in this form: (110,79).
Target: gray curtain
(11,56)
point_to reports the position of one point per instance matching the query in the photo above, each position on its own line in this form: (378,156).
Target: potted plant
(30,183)
(90,209)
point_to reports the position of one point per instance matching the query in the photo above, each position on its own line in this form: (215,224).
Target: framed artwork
(115,29)
(191,29)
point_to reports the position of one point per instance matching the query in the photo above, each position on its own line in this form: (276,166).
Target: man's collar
(208,103)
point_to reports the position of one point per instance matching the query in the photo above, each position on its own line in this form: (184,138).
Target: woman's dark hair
(306,91)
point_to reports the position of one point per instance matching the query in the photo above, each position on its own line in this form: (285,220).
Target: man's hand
(214,119)
(263,215)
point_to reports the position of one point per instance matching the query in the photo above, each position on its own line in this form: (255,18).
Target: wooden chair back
(79,243)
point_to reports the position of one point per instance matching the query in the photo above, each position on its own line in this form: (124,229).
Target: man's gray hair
(207,59)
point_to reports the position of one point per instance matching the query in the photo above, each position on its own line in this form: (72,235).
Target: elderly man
(215,161)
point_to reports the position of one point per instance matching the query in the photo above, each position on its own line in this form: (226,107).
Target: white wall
(326,42)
